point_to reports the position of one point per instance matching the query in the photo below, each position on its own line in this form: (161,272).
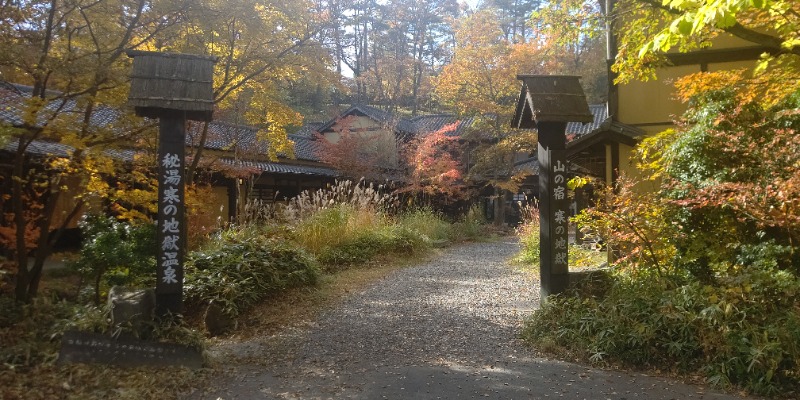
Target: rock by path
(446,329)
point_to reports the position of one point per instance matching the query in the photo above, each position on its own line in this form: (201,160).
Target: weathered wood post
(173,88)
(547,103)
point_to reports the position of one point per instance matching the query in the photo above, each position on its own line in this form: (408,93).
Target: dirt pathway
(445,329)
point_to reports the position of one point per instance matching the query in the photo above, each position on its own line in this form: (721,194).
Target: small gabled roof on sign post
(550,98)
(168,82)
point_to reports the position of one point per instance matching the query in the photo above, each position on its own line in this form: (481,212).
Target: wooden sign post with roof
(173,88)
(547,103)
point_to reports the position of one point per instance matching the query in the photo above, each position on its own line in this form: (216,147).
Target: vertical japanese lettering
(559,216)
(170,226)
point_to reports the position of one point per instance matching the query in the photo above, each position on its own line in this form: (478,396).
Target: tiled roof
(305,148)
(13,96)
(280,168)
(221,136)
(401,125)
(530,166)
(122,154)
(423,124)
(41,148)
(308,129)
(44,148)
(432,123)
(224,137)
(10,101)
(599,114)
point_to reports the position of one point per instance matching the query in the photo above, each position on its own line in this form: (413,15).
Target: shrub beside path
(444,329)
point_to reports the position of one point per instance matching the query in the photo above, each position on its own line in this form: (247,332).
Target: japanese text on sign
(170,198)
(560,216)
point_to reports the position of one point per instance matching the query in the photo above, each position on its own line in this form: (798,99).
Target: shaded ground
(444,329)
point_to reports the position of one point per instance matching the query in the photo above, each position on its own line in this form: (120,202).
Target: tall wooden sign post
(173,88)
(547,103)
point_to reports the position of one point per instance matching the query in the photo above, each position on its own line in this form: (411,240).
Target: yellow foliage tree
(261,46)
(648,29)
(72,54)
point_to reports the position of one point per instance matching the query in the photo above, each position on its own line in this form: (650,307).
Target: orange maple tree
(433,166)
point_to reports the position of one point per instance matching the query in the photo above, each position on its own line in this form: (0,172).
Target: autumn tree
(73,57)
(482,81)
(730,169)
(361,19)
(648,29)
(514,16)
(571,34)
(434,169)
(729,166)
(387,51)
(263,47)
(422,29)
(481,78)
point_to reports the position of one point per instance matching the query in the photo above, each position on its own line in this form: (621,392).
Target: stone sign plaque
(94,348)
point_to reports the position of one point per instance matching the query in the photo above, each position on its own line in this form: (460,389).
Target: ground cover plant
(706,274)
(241,266)
(31,336)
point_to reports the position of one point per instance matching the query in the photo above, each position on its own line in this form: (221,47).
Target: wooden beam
(716,56)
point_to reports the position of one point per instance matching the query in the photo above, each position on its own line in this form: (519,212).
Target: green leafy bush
(743,331)
(729,171)
(241,267)
(428,224)
(115,253)
(392,239)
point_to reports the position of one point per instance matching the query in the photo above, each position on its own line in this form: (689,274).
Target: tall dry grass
(327,218)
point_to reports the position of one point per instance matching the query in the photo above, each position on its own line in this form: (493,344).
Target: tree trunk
(499,206)
(196,156)
(29,277)
(18,207)
(43,246)
(97,280)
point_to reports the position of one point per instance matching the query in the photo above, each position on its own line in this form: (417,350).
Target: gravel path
(446,329)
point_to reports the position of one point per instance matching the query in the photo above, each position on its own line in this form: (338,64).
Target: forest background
(282,64)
